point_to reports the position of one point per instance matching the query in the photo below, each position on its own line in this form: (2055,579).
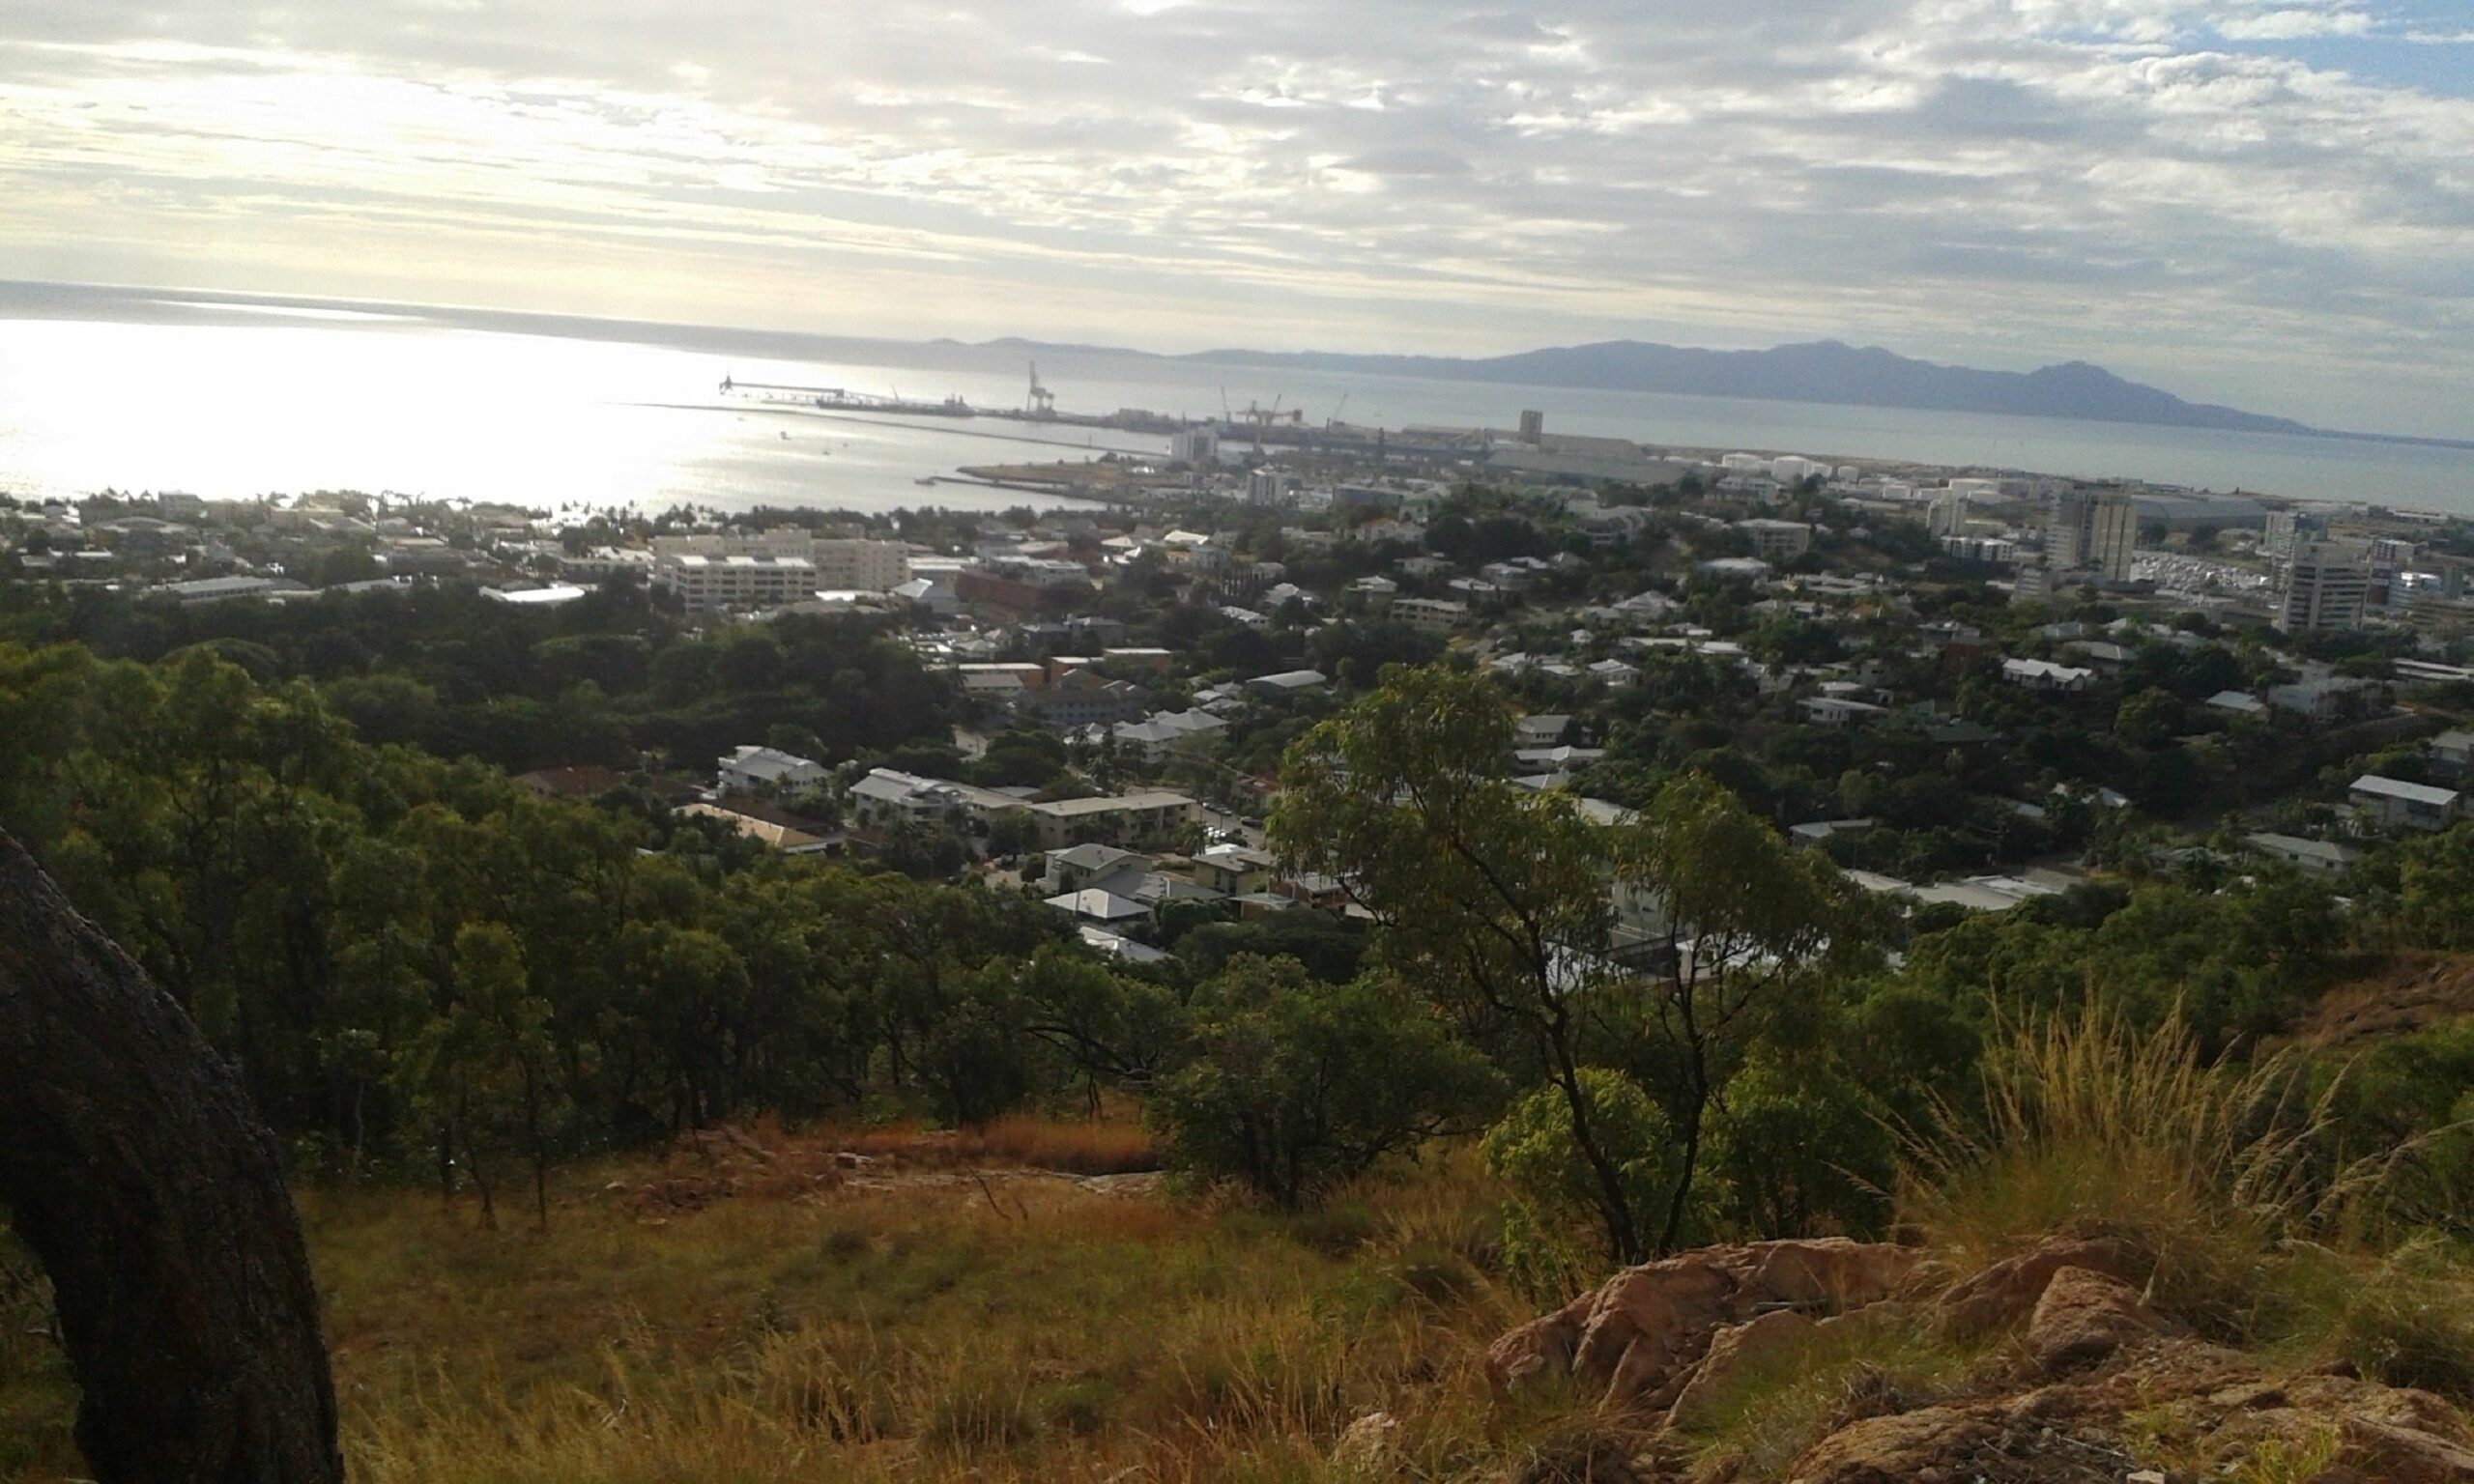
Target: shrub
(1300,1086)
(1552,1243)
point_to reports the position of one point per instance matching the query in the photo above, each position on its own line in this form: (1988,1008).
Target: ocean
(229,398)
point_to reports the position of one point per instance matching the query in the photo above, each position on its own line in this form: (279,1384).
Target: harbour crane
(1042,402)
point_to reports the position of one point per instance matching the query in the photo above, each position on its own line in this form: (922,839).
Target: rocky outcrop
(2053,1368)
(2007,1291)
(1638,1339)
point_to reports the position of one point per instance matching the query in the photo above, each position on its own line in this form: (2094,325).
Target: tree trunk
(135,1170)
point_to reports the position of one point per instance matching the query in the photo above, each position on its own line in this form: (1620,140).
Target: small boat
(786,437)
(925,480)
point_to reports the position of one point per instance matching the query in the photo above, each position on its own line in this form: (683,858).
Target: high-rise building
(2066,533)
(1532,427)
(2325,588)
(2094,531)
(2284,535)
(1947,515)
(2114,536)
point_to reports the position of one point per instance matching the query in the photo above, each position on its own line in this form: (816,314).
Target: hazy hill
(1823,371)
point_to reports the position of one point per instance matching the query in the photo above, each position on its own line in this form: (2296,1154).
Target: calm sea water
(119,390)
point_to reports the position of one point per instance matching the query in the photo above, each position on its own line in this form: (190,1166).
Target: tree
(1751,927)
(482,1068)
(137,1173)
(1298,1086)
(1502,901)
(1801,1149)
(1489,892)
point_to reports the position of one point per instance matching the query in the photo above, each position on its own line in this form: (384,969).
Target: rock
(1734,1352)
(2083,1317)
(1366,1444)
(1544,1345)
(1637,1337)
(2402,1455)
(2008,1290)
(1897,1449)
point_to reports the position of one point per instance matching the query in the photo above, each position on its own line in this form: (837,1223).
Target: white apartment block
(860,566)
(791,541)
(711,584)
(1430,615)
(1777,540)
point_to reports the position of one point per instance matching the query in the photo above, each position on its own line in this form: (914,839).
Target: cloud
(2285,25)
(2169,185)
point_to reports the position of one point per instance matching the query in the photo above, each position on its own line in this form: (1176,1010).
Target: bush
(1553,1245)
(1300,1086)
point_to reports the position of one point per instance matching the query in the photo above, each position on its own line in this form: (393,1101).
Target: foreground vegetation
(944,1325)
(755,1308)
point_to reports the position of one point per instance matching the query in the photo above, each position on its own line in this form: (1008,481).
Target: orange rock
(2007,1291)
(2085,1316)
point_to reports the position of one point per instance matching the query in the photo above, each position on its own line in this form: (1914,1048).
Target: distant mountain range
(1823,371)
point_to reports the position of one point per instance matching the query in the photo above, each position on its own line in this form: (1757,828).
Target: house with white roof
(1094,865)
(2312,857)
(753,769)
(2395,804)
(2046,676)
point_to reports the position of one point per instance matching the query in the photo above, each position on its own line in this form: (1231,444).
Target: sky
(2267,203)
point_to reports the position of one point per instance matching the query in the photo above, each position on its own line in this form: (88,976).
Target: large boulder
(1735,1352)
(1637,1337)
(2085,1316)
(2007,1291)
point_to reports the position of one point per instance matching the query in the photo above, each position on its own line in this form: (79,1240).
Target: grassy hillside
(1025,1303)
(913,1321)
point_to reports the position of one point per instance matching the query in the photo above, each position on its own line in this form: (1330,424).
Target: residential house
(1094,865)
(1531,732)
(1288,682)
(1838,710)
(2395,804)
(2325,698)
(1098,907)
(758,769)
(2313,857)
(2046,676)
(1233,870)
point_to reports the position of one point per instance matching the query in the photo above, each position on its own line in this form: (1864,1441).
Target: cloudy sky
(2263,202)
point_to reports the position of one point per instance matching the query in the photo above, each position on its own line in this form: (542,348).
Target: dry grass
(921,1332)
(1096,1147)
(2088,1126)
